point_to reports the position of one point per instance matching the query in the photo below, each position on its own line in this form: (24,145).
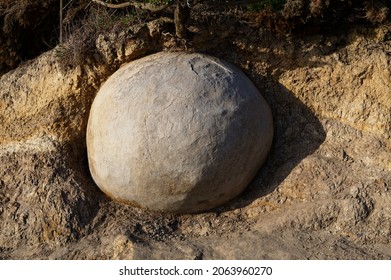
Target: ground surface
(323,193)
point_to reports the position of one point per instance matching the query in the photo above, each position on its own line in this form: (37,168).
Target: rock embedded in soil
(177,132)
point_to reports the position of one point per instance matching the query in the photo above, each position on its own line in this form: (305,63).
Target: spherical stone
(177,132)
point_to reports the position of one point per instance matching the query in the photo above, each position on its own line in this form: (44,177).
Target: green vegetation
(37,22)
(102,17)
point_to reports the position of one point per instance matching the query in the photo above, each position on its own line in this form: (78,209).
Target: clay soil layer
(323,193)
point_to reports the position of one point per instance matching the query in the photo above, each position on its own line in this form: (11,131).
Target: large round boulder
(177,132)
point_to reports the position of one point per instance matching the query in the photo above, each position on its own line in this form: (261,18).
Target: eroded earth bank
(323,193)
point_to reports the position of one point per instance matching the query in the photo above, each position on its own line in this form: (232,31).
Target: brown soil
(323,193)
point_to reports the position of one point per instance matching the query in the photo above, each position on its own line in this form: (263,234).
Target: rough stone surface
(177,132)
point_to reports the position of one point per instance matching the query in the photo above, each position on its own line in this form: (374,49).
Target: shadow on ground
(297,134)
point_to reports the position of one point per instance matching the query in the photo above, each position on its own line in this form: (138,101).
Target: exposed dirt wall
(324,191)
